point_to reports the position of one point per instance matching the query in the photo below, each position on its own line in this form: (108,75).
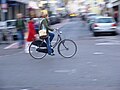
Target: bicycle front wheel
(34,50)
(67,48)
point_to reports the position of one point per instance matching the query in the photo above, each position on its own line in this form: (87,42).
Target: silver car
(8,28)
(104,25)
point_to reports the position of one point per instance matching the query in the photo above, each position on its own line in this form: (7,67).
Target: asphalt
(94,67)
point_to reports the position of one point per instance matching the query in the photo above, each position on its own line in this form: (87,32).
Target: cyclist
(50,34)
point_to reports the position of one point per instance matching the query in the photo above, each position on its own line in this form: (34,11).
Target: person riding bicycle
(50,36)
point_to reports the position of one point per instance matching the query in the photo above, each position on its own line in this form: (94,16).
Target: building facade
(116,6)
(96,6)
(9,8)
(93,6)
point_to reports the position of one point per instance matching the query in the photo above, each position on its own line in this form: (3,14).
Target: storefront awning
(21,1)
(33,4)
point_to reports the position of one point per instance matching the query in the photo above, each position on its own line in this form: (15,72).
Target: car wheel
(95,34)
(114,33)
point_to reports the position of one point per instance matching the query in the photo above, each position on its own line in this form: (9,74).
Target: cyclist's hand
(36,36)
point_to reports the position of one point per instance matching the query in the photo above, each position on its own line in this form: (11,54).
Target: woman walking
(31,35)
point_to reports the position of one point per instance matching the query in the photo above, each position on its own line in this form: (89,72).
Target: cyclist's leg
(51,36)
(48,45)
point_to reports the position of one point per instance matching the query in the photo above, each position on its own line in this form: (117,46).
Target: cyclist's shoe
(51,47)
(52,54)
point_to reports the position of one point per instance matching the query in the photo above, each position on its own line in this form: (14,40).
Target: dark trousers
(116,19)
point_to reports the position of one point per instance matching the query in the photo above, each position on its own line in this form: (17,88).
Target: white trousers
(27,44)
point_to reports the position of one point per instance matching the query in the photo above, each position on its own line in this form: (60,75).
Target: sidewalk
(9,49)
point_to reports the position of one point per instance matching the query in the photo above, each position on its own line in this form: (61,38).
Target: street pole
(3,9)
(3,17)
(48,7)
(119,13)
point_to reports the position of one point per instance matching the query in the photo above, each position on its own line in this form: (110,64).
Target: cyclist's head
(45,15)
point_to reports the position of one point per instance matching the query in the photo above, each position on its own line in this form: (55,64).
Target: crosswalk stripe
(11,45)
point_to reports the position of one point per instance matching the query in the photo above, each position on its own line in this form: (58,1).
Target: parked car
(54,19)
(91,21)
(8,26)
(2,29)
(11,27)
(71,15)
(90,15)
(104,25)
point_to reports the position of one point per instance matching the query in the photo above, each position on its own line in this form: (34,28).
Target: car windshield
(37,19)
(11,23)
(92,15)
(105,20)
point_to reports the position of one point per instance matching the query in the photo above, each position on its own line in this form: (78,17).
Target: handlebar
(58,31)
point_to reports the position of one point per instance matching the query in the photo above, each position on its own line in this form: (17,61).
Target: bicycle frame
(59,38)
(58,42)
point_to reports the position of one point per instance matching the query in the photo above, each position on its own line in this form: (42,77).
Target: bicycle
(66,47)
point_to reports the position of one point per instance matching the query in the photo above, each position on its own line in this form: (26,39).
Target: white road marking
(109,43)
(11,45)
(62,71)
(89,62)
(24,89)
(105,37)
(98,53)
(72,71)
(65,71)
(94,80)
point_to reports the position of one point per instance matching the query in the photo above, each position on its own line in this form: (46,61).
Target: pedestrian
(31,34)
(36,26)
(116,16)
(20,26)
(50,36)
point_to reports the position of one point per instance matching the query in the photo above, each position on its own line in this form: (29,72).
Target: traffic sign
(4,7)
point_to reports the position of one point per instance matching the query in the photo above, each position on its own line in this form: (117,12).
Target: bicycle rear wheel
(35,49)
(67,48)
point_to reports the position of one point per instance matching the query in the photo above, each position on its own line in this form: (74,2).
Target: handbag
(43,32)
